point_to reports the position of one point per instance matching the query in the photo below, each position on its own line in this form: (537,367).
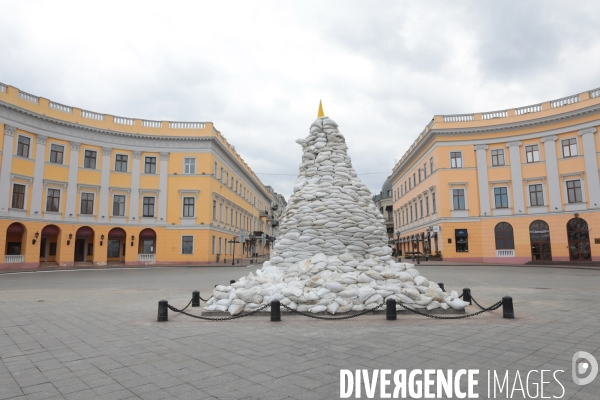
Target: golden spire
(321,113)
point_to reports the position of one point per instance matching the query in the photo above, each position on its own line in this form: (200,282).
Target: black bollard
(441,285)
(195,298)
(390,312)
(467,295)
(232,281)
(224,261)
(163,311)
(238,260)
(507,308)
(275,311)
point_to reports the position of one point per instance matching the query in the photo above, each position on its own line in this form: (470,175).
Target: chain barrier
(491,308)
(380,306)
(204,300)
(478,305)
(218,319)
(184,308)
(332,319)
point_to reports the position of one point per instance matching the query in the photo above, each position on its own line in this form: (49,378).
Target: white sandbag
(334,287)
(317,309)
(224,302)
(457,304)
(433,305)
(333,307)
(348,293)
(421,281)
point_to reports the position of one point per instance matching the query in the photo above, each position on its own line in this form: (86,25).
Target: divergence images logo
(584,363)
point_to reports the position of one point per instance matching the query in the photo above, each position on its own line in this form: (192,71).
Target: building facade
(278,205)
(508,186)
(82,187)
(384,203)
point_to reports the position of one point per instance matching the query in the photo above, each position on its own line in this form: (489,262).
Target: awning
(116,233)
(85,231)
(15,228)
(461,233)
(147,233)
(50,230)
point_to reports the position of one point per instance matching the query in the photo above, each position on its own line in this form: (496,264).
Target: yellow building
(78,186)
(507,186)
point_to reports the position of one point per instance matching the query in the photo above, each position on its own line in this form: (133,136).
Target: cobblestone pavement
(93,334)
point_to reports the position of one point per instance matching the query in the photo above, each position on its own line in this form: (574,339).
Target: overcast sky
(258,69)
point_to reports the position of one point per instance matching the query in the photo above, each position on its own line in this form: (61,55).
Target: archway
(115,246)
(539,236)
(15,239)
(147,245)
(579,240)
(49,243)
(84,244)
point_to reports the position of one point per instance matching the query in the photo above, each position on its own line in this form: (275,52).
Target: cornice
(553,138)
(14,117)
(587,131)
(493,128)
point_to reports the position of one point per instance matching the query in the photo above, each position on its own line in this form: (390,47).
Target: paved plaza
(93,334)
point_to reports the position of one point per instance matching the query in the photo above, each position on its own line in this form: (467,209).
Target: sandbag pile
(332,253)
(335,284)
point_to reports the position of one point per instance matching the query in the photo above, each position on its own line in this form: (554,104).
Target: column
(38,178)
(482,179)
(7,153)
(70,211)
(134,197)
(516,177)
(162,194)
(552,172)
(591,166)
(104,184)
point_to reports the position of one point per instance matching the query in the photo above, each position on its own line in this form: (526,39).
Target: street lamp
(397,244)
(234,241)
(251,237)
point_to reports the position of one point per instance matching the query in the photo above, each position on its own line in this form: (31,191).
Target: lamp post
(234,241)
(251,237)
(397,244)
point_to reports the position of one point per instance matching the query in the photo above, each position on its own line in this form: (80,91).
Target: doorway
(79,249)
(539,236)
(579,240)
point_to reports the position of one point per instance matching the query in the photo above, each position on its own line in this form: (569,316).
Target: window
(226,214)
(236,186)
(89,160)
(419,175)
(214,242)
(569,147)
(458,199)
(501,197)
(456,159)
(221,176)
(462,240)
(504,236)
(56,153)
(433,202)
(189,165)
(536,195)
(23,146)
(121,162)
(405,187)
(425,170)
(188,206)
(574,191)
(532,153)
(414,179)
(421,207)
(118,205)
(53,200)
(221,212)
(215,210)
(409,183)
(215,170)
(232,182)
(427,205)
(497,157)
(431,165)
(150,165)
(411,213)
(148,210)
(18,199)
(187,245)
(87,203)
(220,246)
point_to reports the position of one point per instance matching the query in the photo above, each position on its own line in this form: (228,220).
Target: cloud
(258,69)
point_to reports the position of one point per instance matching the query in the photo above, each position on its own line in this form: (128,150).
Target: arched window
(504,236)
(579,239)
